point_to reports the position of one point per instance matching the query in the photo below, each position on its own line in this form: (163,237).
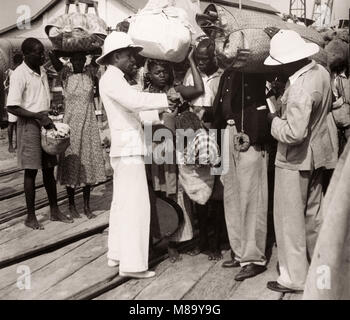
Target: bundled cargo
(235,29)
(337,51)
(163,30)
(77,32)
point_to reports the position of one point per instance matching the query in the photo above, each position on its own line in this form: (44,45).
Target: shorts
(30,155)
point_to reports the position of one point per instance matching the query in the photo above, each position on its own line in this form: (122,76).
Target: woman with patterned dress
(82,164)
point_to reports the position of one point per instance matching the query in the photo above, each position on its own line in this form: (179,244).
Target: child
(200,154)
(159,78)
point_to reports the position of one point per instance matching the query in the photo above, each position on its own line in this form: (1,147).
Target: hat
(116,41)
(288,46)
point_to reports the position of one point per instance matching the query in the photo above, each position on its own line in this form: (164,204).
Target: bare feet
(174,255)
(138,275)
(74,212)
(57,215)
(32,222)
(88,213)
(194,252)
(12,149)
(215,255)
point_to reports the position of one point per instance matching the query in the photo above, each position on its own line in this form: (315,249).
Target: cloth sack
(197,181)
(76,32)
(164,32)
(341,107)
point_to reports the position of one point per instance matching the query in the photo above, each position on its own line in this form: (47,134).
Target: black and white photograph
(194,152)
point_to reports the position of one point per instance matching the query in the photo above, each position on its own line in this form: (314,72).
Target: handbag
(341,107)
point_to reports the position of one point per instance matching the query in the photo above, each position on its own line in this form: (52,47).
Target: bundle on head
(337,52)
(235,29)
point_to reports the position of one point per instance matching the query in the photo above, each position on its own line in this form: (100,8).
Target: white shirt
(211,85)
(28,89)
(122,103)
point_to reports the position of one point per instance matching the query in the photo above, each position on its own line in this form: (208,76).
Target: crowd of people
(239,161)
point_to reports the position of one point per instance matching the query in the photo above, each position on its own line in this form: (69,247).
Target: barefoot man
(29,100)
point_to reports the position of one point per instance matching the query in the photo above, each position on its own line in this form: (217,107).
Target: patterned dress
(83,162)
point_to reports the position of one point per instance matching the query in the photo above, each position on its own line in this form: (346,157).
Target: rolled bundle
(77,32)
(337,51)
(235,29)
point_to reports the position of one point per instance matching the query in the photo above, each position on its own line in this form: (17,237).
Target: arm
(294,129)
(14,101)
(131,99)
(56,63)
(195,91)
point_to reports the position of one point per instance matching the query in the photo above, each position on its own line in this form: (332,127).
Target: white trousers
(297,219)
(129,220)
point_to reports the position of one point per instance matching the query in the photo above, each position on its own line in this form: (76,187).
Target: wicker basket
(245,29)
(54,146)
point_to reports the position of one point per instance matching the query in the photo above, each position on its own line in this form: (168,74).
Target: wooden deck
(68,261)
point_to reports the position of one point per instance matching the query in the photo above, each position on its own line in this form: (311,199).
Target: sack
(164,33)
(198,182)
(341,115)
(244,29)
(341,108)
(337,50)
(76,32)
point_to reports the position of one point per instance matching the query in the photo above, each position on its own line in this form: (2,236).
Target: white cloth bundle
(164,31)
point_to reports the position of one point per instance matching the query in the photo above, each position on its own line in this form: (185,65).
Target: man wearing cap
(129,224)
(304,133)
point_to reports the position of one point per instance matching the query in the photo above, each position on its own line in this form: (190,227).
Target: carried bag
(341,108)
(164,33)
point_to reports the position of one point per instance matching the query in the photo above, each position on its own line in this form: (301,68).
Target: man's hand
(45,121)
(174,98)
(271,116)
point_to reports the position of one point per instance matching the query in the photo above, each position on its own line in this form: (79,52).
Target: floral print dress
(83,162)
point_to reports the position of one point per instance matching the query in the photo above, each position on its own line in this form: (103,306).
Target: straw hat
(116,41)
(288,46)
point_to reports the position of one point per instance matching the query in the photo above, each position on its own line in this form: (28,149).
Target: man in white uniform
(129,224)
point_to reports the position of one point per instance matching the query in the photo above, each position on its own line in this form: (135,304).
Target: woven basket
(244,29)
(77,32)
(54,146)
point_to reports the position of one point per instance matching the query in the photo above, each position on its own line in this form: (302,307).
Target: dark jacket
(228,105)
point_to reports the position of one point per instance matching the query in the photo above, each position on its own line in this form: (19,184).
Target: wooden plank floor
(68,261)
(19,241)
(197,278)
(79,269)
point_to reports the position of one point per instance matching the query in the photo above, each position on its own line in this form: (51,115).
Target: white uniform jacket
(122,103)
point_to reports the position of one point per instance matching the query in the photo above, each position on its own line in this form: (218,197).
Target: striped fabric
(203,150)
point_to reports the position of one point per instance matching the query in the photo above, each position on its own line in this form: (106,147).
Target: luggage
(76,32)
(198,182)
(235,29)
(164,32)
